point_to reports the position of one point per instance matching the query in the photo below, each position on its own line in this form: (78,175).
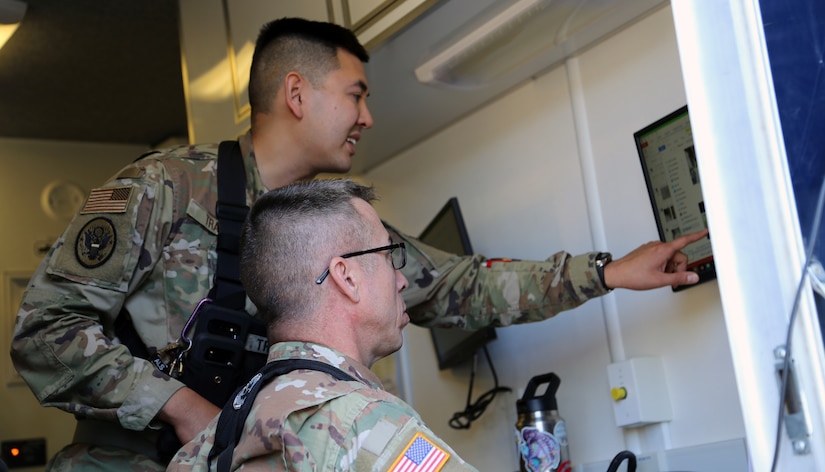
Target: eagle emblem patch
(95,243)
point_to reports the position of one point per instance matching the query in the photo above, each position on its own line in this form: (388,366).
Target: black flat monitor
(453,346)
(671,173)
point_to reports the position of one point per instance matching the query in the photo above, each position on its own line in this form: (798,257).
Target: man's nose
(401,281)
(365,117)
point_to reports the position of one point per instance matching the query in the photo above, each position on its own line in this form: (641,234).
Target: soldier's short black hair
(296,44)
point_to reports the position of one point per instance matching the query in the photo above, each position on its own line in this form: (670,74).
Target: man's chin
(338,168)
(394,348)
(399,346)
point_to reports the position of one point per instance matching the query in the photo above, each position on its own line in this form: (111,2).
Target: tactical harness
(229,345)
(233,416)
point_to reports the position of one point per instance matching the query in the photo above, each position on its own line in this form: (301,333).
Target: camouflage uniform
(305,420)
(145,243)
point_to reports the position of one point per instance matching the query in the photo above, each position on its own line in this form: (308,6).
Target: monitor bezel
(705,268)
(466,348)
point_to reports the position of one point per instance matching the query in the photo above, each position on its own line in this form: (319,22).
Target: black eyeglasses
(399,258)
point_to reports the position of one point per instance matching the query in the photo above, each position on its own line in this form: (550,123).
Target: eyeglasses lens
(399,257)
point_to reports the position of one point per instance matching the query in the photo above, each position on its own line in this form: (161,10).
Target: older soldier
(339,303)
(141,253)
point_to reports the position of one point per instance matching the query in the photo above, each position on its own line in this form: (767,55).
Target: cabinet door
(362,10)
(375,20)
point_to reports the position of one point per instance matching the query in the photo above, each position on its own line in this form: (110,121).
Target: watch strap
(601,260)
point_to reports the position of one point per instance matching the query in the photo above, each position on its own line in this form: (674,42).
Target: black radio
(228,347)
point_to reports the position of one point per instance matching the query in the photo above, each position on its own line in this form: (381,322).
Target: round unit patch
(95,243)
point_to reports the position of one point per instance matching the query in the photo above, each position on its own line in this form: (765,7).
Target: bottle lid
(546,401)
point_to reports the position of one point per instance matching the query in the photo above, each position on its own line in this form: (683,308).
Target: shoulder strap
(234,413)
(231,211)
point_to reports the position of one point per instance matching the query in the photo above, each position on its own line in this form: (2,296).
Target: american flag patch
(107,200)
(421,455)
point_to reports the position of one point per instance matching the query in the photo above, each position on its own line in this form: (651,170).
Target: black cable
(472,411)
(619,458)
(786,362)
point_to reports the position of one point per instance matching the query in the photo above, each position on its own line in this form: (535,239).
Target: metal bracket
(797,424)
(817,276)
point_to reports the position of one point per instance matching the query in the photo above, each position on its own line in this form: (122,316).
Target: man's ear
(294,86)
(346,278)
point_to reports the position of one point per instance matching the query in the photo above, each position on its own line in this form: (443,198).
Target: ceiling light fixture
(465,57)
(522,38)
(11,13)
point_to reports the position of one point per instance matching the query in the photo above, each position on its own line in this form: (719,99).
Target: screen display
(447,232)
(671,173)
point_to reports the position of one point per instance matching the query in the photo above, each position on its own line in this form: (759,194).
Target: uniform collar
(317,352)
(253,176)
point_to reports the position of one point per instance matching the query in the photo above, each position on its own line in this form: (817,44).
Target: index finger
(683,241)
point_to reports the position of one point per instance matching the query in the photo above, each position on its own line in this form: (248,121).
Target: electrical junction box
(639,392)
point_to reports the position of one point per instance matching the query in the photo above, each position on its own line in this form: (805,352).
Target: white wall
(523,174)
(28,166)
(687,328)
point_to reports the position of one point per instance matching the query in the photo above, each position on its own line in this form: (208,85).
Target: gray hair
(289,236)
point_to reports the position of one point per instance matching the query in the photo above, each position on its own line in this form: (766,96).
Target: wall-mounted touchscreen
(672,175)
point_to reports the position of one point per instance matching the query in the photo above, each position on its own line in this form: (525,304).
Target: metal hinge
(797,424)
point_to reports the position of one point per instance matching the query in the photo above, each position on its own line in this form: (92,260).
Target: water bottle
(541,435)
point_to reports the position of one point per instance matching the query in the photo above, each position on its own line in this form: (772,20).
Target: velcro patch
(380,435)
(107,200)
(95,243)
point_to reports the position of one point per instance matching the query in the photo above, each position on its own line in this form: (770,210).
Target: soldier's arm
(474,291)
(63,344)
(655,264)
(188,412)
(391,436)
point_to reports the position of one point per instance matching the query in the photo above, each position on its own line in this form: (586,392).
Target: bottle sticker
(539,450)
(560,432)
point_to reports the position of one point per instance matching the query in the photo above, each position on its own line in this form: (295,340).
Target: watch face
(61,199)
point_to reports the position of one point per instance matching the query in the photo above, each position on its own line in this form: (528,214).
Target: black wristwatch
(602,259)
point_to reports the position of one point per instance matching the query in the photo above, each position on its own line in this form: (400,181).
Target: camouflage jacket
(145,242)
(305,420)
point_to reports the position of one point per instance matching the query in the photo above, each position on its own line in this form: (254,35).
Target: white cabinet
(375,20)
(362,10)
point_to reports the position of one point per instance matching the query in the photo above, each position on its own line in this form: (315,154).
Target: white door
(755,231)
